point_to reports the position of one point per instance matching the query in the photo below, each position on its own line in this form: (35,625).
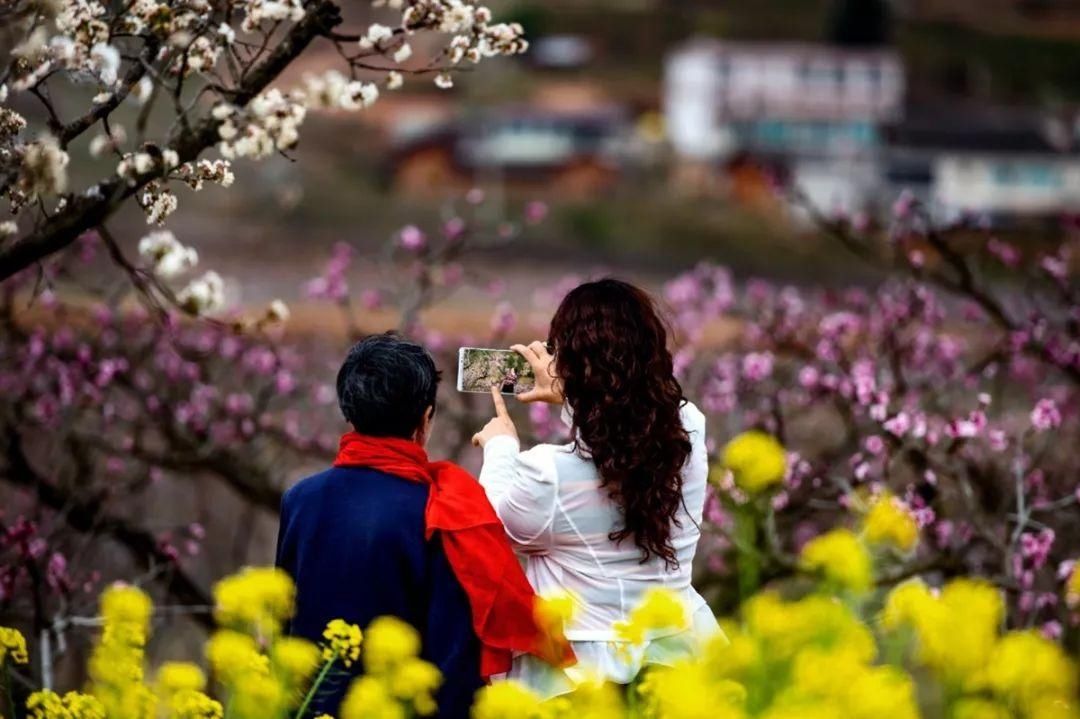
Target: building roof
(980,129)
(805,50)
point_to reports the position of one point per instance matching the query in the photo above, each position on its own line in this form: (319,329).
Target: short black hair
(386,385)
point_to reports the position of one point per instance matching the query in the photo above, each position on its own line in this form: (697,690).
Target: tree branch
(90,210)
(88,517)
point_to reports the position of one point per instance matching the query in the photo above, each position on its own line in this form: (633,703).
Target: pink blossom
(904,204)
(454,229)
(809,377)
(284,382)
(757,366)
(504,320)
(1056,267)
(1045,416)
(535,212)
(1052,630)
(412,239)
(1005,253)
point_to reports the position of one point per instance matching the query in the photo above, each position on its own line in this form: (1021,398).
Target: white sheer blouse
(559,519)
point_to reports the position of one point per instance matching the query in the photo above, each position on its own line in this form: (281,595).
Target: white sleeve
(522,487)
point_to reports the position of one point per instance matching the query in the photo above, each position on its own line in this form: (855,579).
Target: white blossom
(277,312)
(227,33)
(167,257)
(260,11)
(202,54)
(203,171)
(403,53)
(270,123)
(202,295)
(8,228)
(457,17)
(394,80)
(158,203)
(223,110)
(444,81)
(142,89)
(44,168)
(104,142)
(376,35)
(105,59)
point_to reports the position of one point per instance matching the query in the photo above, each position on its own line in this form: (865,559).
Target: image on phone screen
(481,369)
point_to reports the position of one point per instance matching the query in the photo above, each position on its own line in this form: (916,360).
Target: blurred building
(574,153)
(834,122)
(1000,163)
(814,112)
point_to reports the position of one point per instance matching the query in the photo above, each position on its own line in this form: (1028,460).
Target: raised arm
(522,487)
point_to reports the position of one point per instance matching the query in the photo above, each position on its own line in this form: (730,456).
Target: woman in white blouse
(617,511)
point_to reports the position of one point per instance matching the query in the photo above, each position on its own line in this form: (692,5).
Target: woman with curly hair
(617,511)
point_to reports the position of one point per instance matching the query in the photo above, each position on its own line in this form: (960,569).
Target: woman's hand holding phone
(548,385)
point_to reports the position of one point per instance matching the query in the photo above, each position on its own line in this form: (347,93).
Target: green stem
(314,688)
(8,690)
(747,557)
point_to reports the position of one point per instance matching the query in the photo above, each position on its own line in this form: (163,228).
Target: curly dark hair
(612,358)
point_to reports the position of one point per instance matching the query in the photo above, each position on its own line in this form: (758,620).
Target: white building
(993,162)
(785,98)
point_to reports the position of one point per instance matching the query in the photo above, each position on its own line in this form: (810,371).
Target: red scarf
(501,599)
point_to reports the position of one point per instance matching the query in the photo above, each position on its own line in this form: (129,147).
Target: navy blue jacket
(353,540)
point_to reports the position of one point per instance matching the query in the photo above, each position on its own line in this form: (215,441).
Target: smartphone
(481,369)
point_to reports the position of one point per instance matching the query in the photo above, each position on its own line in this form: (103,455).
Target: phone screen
(481,369)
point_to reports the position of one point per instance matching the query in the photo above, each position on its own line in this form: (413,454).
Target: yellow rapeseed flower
(369,698)
(660,610)
(414,681)
(783,629)
(905,602)
(840,558)
(881,692)
(256,599)
(802,708)
(972,708)
(388,642)
(733,654)
(504,700)
(46,704)
(13,644)
(295,660)
(890,522)
(116,665)
(955,631)
(233,655)
(193,704)
(756,460)
(687,691)
(1072,587)
(554,611)
(591,699)
(1026,667)
(175,677)
(828,672)
(257,696)
(126,611)
(342,641)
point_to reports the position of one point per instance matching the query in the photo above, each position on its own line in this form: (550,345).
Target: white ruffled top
(559,518)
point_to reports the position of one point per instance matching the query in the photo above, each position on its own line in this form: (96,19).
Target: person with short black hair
(387,532)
